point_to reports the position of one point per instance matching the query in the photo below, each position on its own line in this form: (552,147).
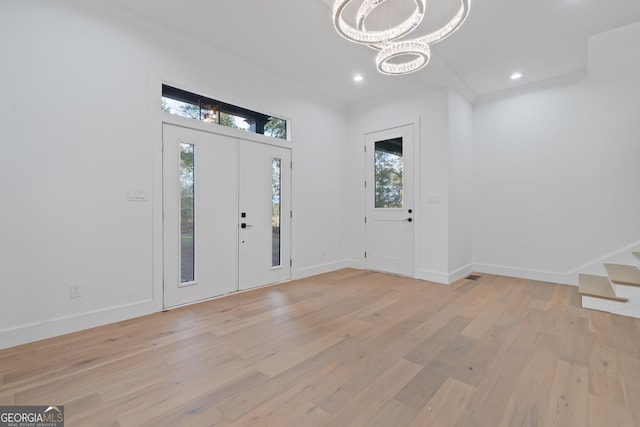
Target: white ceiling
(543,39)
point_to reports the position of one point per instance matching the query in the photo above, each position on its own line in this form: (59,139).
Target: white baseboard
(522,273)
(301,273)
(64,325)
(433,276)
(460,273)
(622,255)
(445,278)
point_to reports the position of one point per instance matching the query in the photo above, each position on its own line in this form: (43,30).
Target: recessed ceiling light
(358,78)
(516,76)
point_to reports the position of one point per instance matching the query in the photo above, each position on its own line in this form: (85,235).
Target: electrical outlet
(75,290)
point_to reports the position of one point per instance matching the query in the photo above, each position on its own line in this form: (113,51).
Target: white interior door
(389,201)
(265,221)
(200,202)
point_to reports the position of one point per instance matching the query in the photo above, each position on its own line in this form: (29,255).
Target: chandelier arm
(451,26)
(361,35)
(441,33)
(369,6)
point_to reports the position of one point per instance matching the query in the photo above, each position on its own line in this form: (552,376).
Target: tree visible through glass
(276,201)
(388,162)
(187,217)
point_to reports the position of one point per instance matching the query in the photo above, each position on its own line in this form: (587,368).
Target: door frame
(158,194)
(418,215)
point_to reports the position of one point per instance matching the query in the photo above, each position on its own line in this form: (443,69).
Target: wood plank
(278,410)
(394,413)
(625,343)
(446,406)
(484,321)
(623,274)
(604,412)
(525,329)
(630,370)
(367,405)
(425,384)
(568,398)
(605,377)
(537,304)
(495,389)
(598,287)
(430,347)
(561,298)
(527,405)
(477,364)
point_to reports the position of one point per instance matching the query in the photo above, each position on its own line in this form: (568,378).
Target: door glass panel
(388,163)
(187,217)
(276,186)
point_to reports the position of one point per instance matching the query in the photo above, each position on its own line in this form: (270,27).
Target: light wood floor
(346,348)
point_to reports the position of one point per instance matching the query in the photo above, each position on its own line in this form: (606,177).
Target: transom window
(186,104)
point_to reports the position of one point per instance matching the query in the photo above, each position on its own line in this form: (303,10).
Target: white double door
(227,223)
(389,201)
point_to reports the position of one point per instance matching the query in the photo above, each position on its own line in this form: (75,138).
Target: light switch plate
(136,195)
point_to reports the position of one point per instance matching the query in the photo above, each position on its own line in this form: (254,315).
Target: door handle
(409,219)
(245,225)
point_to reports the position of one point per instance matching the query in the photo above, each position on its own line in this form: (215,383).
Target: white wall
(557,178)
(81,124)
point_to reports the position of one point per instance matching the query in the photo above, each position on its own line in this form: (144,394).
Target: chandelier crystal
(397,55)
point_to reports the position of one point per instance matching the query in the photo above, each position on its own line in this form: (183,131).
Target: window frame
(256,121)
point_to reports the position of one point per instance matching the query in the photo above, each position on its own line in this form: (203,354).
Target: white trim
(433,276)
(453,81)
(633,247)
(301,273)
(64,325)
(185,122)
(417,192)
(568,278)
(633,311)
(460,273)
(157,213)
(523,273)
(562,80)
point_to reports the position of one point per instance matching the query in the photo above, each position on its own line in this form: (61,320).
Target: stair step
(597,287)
(623,274)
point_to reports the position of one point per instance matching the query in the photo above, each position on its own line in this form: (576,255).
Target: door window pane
(187,217)
(276,190)
(388,162)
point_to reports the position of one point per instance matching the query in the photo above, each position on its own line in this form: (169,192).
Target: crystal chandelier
(396,54)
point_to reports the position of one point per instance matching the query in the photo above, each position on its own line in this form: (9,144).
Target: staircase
(618,293)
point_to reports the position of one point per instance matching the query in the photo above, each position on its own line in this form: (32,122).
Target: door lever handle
(245,225)
(409,219)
